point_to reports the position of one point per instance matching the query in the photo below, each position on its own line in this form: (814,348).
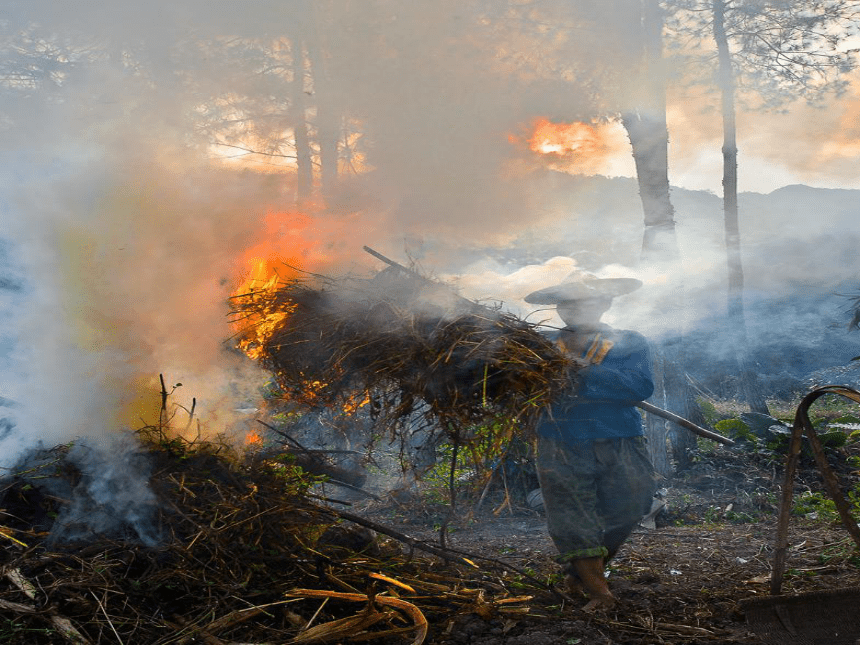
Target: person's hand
(578,363)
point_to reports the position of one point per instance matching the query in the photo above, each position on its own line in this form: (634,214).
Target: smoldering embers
(102,488)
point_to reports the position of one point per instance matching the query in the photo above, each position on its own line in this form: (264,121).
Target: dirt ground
(681,582)
(237,541)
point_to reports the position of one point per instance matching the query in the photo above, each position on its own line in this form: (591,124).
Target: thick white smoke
(129,233)
(124,229)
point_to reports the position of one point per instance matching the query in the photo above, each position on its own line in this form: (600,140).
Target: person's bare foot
(573,585)
(590,573)
(599,603)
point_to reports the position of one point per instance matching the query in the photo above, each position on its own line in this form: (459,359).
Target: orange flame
(262,269)
(565,139)
(355,403)
(577,148)
(279,257)
(253,438)
(256,329)
(279,252)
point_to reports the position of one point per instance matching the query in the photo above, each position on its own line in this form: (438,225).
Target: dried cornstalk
(354,625)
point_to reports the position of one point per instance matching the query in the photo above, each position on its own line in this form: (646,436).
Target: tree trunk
(304,162)
(328,135)
(657,428)
(649,139)
(681,400)
(750,391)
(328,117)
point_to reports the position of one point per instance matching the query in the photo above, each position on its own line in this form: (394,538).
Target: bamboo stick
(684,423)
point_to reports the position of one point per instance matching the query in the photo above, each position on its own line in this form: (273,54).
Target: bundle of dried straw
(406,344)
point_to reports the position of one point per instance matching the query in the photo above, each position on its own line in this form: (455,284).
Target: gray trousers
(594,493)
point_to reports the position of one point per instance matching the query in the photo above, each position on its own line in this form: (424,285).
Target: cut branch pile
(244,556)
(408,345)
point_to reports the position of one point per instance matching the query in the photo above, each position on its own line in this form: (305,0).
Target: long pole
(653,409)
(684,423)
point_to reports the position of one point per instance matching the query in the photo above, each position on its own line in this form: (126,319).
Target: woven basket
(829,617)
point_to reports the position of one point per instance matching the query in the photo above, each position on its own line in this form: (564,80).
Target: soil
(240,537)
(681,582)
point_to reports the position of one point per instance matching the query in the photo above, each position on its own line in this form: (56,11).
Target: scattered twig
(447,553)
(110,622)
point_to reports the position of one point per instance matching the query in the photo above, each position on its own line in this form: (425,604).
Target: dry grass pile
(242,555)
(405,345)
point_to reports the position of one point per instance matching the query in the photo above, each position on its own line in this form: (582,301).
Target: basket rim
(760,602)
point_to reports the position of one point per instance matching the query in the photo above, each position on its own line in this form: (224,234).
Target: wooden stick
(684,423)
(447,553)
(110,622)
(392,263)
(471,305)
(803,425)
(351,625)
(653,409)
(163,393)
(62,625)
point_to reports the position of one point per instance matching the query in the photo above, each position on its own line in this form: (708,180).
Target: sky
(129,229)
(815,146)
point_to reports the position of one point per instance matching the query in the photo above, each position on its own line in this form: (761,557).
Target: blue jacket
(619,374)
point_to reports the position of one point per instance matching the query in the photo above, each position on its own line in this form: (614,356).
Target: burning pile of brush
(404,345)
(238,554)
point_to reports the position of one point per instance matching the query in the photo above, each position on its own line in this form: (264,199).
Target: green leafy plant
(436,481)
(735,429)
(709,411)
(296,480)
(704,448)
(833,438)
(713,515)
(846,419)
(819,504)
(739,517)
(842,551)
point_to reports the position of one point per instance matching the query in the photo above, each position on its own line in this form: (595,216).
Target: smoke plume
(132,202)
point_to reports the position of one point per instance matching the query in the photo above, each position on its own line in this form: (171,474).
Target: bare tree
(647,129)
(645,122)
(299,124)
(770,51)
(735,293)
(328,118)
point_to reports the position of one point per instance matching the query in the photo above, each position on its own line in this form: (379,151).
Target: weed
(709,411)
(736,429)
(842,551)
(554,578)
(815,505)
(704,448)
(846,419)
(13,629)
(713,515)
(739,518)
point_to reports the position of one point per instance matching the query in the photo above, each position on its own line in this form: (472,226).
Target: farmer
(593,467)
